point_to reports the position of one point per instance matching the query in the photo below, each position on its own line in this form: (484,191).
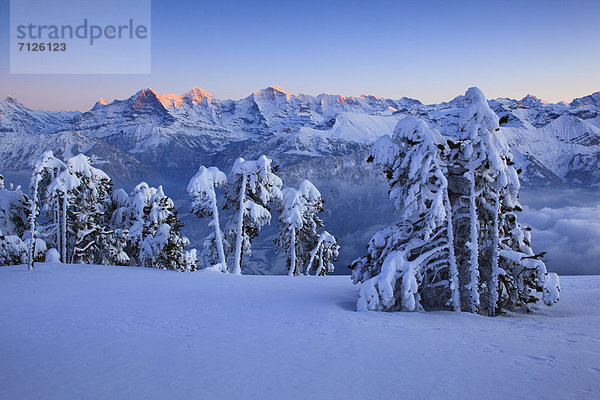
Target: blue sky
(429,50)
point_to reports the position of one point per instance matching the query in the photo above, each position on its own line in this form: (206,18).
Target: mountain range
(557,144)
(325,138)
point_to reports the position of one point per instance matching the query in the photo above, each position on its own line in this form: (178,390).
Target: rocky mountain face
(325,138)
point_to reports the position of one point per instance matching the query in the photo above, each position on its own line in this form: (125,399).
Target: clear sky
(429,50)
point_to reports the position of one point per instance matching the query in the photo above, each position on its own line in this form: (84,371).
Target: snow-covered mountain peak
(370,97)
(15,118)
(146,93)
(458,101)
(147,99)
(9,99)
(99,104)
(194,96)
(591,100)
(197,95)
(271,92)
(531,101)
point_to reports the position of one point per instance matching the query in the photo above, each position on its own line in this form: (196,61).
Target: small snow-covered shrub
(52,256)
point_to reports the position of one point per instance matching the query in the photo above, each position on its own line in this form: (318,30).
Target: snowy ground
(73,332)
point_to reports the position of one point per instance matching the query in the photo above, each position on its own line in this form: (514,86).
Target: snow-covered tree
(458,243)
(44,172)
(251,186)
(130,215)
(202,190)
(14,210)
(116,218)
(80,204)
(153,230)
(523,277)
(14,219)
(299,224)
(323,254)
(162,244)
(85,191)
(60,196)
(482,155)
(412,264)
(13,250)
(120,214)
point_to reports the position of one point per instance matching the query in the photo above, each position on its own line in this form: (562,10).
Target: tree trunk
(473,285)
(33,220)
(495,270)
(218,236)
(63,249)
(292,270)
(57,225)
(237,258)
(320,270)
(454,289)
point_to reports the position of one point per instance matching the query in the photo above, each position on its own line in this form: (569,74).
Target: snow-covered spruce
(14,217)
(59,195)
(13,250)
(322,256)
(202,190)
(129,217)
(163,245)
(82,193)
(76,212)
(298,224)
(155,238)
(476,174)
(251,186)
(14,210)
(502,281)
(411,265)
(44,172)
(458,244)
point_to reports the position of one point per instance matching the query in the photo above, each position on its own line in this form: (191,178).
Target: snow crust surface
(77,331)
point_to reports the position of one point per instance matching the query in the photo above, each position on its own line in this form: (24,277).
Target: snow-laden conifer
(14,218)
(323,254)
(464,204)
(202,190)
(477,175)
(44,172)
(251,186)
(59,199)
(156,231)
(298,224)
(411,265)
(13,250)
(87,232)
(14,210)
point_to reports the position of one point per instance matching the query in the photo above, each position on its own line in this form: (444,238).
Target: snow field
(78,331)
